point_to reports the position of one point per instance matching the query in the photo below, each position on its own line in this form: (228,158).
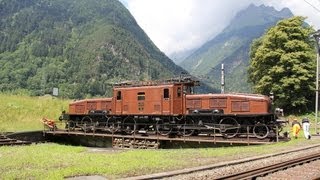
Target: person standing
(295,128)
(306,127)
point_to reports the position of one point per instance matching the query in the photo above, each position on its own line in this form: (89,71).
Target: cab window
(166,93)
(119,95)
(141,96)
(179,92)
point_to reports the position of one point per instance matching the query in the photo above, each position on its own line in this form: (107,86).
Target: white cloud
(300,8)
(177,25)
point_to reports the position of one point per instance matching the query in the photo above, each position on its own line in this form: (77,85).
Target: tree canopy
(283,62)
(81,47)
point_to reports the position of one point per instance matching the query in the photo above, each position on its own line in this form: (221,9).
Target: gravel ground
(306,171)
(215,173)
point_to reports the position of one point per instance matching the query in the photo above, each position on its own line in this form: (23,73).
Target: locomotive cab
(151,98)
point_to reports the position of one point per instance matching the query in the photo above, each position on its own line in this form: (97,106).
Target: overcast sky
(178,25)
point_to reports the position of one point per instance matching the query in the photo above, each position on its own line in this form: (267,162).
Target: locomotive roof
(92,100)
(173,81)
(238,95)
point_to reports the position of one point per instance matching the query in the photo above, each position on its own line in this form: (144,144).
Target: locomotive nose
(63,116)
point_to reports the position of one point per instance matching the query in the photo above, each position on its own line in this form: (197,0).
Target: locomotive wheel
(261,131)
(70,125)
(86,123)
(164,127)
(113,125)
(129,126)
(187,128)
(229,127)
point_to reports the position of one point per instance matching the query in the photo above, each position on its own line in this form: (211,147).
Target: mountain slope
(79,46)
(231,47)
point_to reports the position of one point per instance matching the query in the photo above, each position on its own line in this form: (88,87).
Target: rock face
(231,47)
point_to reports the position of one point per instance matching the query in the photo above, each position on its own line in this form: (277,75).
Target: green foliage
(283,62)
(79,46)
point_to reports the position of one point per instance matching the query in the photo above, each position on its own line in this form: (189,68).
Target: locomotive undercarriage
(229,126)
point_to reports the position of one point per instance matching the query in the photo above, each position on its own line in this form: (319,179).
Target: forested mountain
(80,46)
(231,47)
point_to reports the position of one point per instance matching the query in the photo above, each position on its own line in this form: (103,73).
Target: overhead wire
(312,5)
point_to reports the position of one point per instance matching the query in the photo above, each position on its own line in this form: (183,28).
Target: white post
(222,78)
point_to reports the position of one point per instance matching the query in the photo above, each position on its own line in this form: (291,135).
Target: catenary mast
(316,35)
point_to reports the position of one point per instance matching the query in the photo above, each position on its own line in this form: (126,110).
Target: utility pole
(316,36)
(222,78)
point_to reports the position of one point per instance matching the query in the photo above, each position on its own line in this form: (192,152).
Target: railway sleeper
(127,143)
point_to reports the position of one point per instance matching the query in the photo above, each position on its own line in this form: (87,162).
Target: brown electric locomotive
(170,107)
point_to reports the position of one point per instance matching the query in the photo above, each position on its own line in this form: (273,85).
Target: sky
(180,25)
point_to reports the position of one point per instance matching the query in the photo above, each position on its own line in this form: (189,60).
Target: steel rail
(250,174)
(5,141)
(172,174)
(200,139)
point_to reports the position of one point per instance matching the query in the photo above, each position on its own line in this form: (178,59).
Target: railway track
(263,171)
(155,141)
(311,170)
(248,168)
(5,141)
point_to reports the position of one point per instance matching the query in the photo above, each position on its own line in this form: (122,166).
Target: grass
(54,161)
(23,113)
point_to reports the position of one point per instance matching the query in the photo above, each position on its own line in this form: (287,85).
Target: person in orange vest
(295,128)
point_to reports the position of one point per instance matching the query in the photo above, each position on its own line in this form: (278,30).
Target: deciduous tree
(283,61)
